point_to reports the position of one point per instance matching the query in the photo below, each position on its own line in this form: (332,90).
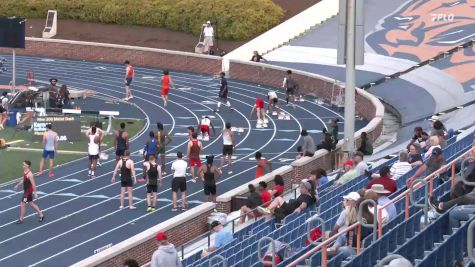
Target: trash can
(11,120)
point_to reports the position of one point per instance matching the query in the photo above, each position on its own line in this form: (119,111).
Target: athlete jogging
(163,140)
(154,177)
(204,128)
(208,174)
(262,164)
(29,190)
(193,152)
(127,172)
(93,150)
(179,181)
(261,115)
(166,84)
(50,143)
(223,93)
(228,147)
(150,149)
(129,77)
(274,103)
(121,142)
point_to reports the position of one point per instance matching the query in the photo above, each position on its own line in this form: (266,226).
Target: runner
(261,115)
(3,109)
(127,171)
(193,152)
(166,84)
(121,142)
(262,165)
(154,175)
(129,77)
(273,102)
(150,150)
(228,147)
(99,132)
(204,128)
(191,130)
(29,190)
(161,136)
(179,181)
(223,93)
(93,150)
(50,143)
(289,85)
(208,174)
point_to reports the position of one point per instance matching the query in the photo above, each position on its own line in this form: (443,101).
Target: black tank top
(152,174)
(120,141)
(209,176)
(27,186)
(125,173)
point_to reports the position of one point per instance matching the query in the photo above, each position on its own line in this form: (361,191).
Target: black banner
(67,127)
(12,32)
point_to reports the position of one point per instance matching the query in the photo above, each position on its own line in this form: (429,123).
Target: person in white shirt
(179,181)
(93,150)
(274,104)
(361,166)
(3,109)
(208,32)
(401,167)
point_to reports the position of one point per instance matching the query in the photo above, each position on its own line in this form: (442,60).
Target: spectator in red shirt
(384,179)
(265,194)
(279,186)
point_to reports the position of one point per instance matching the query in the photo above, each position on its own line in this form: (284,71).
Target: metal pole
(14,72)
(349,144)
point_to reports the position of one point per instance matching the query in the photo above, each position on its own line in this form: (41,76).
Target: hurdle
(110,114)
(51,25)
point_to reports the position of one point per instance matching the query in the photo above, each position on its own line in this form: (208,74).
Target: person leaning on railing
(434,163)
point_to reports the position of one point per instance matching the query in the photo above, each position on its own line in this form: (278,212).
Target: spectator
(321,176)
(431,143)
(419,137)
(366,147)
(361,165)
(369,194)
(253,200)
(208,32)
(327,141)
(308,147)
(281,209)
(257,58)
(131,263)
(385,180)
(401,167)
(334,126)
(350,173)
(438,129)
(62,99)
(435,162)
(221,238)
(265,194)
(415,158)
(166,254)
(383,200)
(278,186)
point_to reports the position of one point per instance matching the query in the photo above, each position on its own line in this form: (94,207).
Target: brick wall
(147,57)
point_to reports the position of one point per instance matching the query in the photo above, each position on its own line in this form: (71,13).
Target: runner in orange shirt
(166,84)
(129,76)
(262,164)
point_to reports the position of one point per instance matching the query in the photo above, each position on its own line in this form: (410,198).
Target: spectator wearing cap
(308,146)
(361,165)
(383,200)
(179,181)
(385,180)
(350,173)
(166,254)
(208,33)
(435,162)
(221,238)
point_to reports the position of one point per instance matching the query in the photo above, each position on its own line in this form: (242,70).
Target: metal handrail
(373,225)
(470,255)
(221,260)
(424,206)
(388,259)
(464,175)
(259,250)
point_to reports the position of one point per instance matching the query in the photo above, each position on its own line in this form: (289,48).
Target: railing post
(373,225)
(470,241)
(259,250)
(220,259)
(424,206)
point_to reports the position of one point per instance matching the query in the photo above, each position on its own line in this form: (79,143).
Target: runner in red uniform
(166,84)
(29,190)
(129,76)
(261,114)
(194,149)
(262,165)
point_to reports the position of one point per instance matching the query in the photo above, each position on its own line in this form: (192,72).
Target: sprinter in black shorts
(208,174)
(154,176)
(179,181)
(127,172)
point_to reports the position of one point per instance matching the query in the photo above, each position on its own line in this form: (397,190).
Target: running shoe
(42,218)
(230,172)
(121,207)
(231,109)
(132,207)
(263,210)
(20,221)
(153,209)
(131,97)
(164,173)
(183,208)
(216,110)
(149,209)
(194,179)
(50,175)
(174,209)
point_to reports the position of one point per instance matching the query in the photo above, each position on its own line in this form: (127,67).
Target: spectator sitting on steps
(257,58)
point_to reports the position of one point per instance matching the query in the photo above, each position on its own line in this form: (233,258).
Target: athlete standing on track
(166,84)
(50,142)
(93,150)
(3,109)
(259,108)
(204,128)
(129,77)
(193,152)
(29,189)
(289,85)
(163,139)
(208,174)
(223,93)
(150,149)
(127,172)
(228,147)
(121,142)
(99,132)
(179,181)
(154,176)
(262,165)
